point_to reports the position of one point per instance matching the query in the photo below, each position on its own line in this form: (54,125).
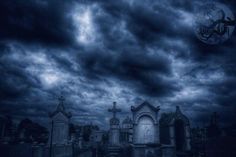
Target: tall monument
(59,126)
(114,133)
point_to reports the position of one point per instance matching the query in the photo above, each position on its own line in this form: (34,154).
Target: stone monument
(114,133)
(59,127)
(175,130)
(146,130)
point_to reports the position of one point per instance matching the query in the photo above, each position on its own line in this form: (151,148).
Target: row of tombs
(146,133)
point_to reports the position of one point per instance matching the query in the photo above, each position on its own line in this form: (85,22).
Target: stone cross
(60,106)
(61,99)
(114,110)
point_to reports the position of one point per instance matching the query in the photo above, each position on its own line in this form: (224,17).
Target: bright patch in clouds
(44,68)
(84,23)
(49,78)
(186,18)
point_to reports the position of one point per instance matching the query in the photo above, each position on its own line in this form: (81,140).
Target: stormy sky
(95,52)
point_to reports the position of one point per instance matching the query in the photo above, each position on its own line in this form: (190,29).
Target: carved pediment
(145,109)
(144,105)
(60,117)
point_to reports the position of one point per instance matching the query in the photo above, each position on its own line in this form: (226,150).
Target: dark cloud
(97,52)
(142,72)
(182,4)
(14,82)
(36,21)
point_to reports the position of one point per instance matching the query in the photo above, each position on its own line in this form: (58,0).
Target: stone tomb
(175,130)
(59,127)
(146,141)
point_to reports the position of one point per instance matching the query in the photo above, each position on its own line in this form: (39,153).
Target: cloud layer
(97,52)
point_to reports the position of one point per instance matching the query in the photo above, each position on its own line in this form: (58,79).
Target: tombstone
(59,127)
(145,130)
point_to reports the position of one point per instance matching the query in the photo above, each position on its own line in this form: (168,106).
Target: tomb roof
(145,103)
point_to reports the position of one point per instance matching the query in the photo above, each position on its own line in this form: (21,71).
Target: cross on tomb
(61,103)
(61,99)
(114,110)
